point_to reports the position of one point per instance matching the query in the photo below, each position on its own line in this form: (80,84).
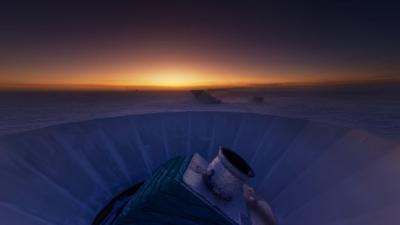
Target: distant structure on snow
(204,97)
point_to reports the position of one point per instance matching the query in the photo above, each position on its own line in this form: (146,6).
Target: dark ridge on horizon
(84,87)
(340,83)
(391,82)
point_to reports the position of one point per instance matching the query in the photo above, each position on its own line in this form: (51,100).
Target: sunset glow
(182,46)
(171,78)
(168,76)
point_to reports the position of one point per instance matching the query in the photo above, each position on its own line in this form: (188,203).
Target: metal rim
(237,162)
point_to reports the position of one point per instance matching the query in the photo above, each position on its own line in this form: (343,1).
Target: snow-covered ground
(375,111)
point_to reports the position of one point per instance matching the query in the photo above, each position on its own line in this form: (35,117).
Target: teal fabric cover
(165,199)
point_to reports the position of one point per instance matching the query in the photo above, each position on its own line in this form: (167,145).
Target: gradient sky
(196,43)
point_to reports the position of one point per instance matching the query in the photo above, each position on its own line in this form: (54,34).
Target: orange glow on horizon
(148,75)
(178,78)
(164,75)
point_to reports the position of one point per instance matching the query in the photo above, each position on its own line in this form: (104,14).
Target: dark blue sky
(319,36)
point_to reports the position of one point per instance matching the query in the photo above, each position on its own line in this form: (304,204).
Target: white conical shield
(311,173)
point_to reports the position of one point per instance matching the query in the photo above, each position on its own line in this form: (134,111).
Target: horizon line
(15,86)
